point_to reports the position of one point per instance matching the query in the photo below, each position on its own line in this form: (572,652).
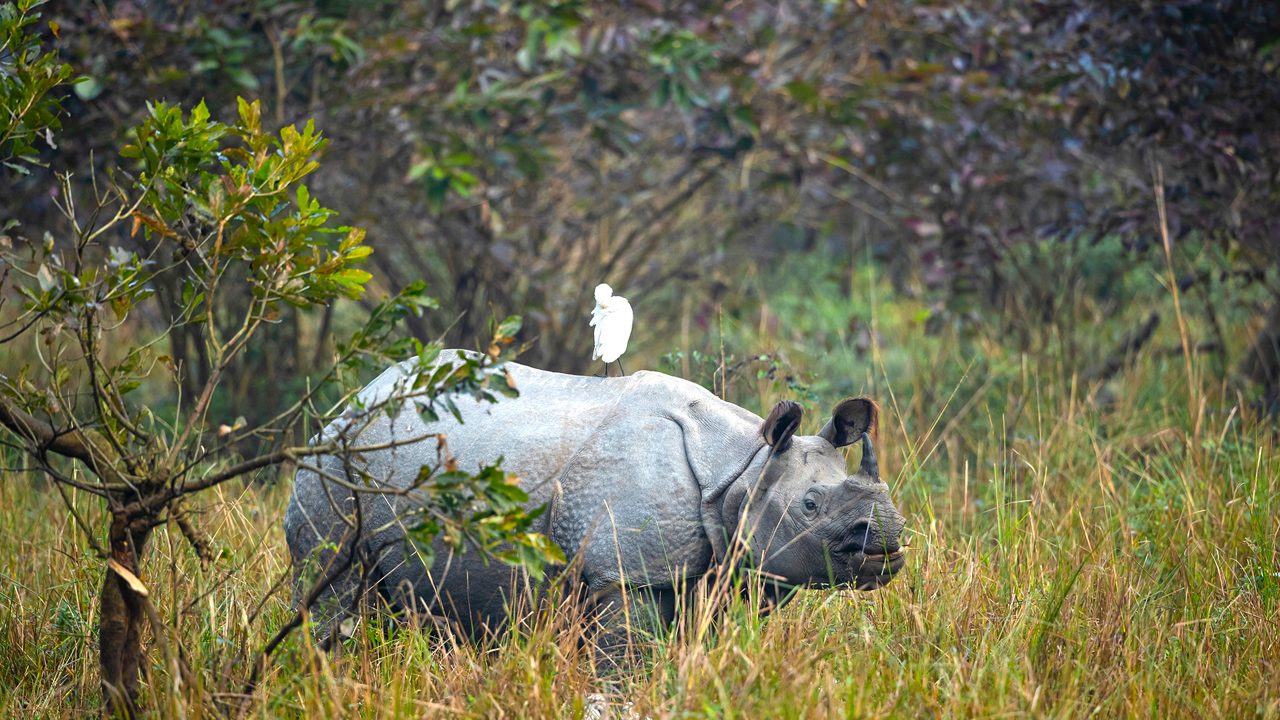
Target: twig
(1183,333)
(199,541)
(313,594)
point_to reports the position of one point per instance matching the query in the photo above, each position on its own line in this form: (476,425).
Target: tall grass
(1074,550)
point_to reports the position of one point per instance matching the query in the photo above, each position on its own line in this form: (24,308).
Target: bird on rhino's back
(612,319)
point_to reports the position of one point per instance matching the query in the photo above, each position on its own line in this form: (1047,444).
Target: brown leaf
(155,224)
(134,583)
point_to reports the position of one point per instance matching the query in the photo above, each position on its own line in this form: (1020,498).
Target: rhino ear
(849,420)
(782,423)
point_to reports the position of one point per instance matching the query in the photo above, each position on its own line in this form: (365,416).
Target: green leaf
(199,114)
(352,276)
(510,327)
(802,92)
(87,88)
(437,192)
(505,384)
(359,252)
(243,77)
(250,114)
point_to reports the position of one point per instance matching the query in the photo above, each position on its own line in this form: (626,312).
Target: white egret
(612,320)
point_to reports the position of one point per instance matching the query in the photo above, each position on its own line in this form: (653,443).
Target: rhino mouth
(863,570)
(871,570)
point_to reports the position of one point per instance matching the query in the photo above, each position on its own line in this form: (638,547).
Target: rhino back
(623,464)
(552,423)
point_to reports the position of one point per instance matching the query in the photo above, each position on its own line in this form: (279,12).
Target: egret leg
(620,370)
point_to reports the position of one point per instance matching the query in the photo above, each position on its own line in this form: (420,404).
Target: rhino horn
(869,467)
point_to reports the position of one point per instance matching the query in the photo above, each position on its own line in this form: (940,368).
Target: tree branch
(84,444)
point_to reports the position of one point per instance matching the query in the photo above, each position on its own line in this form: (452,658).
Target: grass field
(1075,550)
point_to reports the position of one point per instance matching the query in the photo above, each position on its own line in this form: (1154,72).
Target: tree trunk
(120,625)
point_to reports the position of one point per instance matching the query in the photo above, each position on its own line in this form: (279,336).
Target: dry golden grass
(1073,551)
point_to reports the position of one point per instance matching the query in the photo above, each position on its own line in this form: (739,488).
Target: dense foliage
(514,154)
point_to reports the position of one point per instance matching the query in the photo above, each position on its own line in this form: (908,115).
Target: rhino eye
(810,505)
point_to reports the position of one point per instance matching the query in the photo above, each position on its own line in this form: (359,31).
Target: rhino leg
(321,543)
(626,620)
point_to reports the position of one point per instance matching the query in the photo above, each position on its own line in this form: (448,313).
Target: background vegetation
(1043,235)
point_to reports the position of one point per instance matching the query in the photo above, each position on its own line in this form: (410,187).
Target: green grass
(1074,551)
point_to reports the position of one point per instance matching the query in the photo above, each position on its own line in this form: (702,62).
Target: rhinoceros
(649,481)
